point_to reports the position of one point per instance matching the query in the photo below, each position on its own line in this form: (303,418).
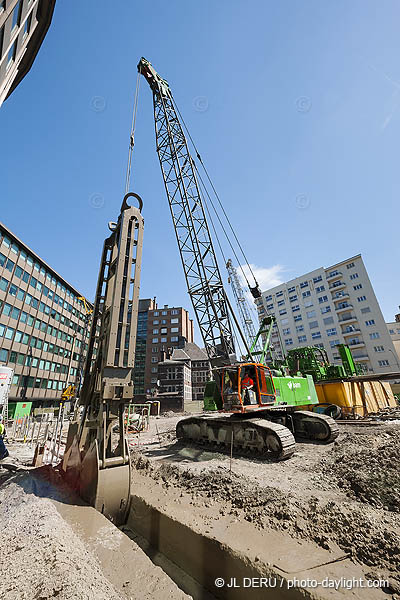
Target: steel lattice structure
(199,262)
(242,304)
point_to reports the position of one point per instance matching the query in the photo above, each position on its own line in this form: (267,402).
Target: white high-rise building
(331,306)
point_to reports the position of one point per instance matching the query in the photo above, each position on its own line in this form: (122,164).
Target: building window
(323,299)
(379,349)
(279,294)
(350,265)
(313,324)
(284,321)
(334,343)
(164,330)
(174,329)
(295,308)
(306,294)
(291,289)
(304,284)
(289,342)
(311,314)
(163,340)
(374,336)
(154,380)
(357,287)
(283,311)
(383,363)
(328,321)
(320,289)
(164,312)
(316,335)
(155,322)
(268,298)
(325,309)
(308,304)
(174,339)
(27,26)
(370,322)
(302,339)
(361,298)
(154,359)
(154,349)
(154,341)
(154,369)
(156,313)
(281,302)
(286,331)
(365,310)
(317,279)
(174,311)
(155,331)
(299,328)
(16,16)
(174,320)
(354,276)
(298,318)
(270,306)
(331,331)
(292,298)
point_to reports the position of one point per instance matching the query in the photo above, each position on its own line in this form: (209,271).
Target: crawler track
(252,436)
(315,426)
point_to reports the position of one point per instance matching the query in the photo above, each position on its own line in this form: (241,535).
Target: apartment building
(394,332)
(42,323)
(159,329)
(331,306)
(23,26)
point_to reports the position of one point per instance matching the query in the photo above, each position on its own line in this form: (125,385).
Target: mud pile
(371,536)
(367,467)
(41,556)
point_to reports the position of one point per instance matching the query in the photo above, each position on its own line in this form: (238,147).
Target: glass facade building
(42,323)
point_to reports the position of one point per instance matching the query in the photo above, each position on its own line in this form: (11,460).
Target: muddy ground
(346,493)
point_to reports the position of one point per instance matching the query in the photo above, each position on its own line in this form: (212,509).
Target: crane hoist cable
(132,135)
(219,201)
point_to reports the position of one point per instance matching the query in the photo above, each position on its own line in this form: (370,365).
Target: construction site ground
(330,511)
(344,495)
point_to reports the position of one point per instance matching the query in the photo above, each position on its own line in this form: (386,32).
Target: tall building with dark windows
(42,323)
(23,26)
(160,329)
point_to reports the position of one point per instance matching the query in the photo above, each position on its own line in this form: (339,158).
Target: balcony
(350,331)
(361,357)
(337,285)
(333,274)
(340,295)
(348,319)
(358,344)
(343,306)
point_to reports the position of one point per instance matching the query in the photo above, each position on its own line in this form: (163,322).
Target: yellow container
(356,397)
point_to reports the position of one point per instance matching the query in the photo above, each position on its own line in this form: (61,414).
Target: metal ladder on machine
(4,402)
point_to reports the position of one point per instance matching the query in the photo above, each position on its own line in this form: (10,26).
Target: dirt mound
(368,536)
(42,558)
(367,467)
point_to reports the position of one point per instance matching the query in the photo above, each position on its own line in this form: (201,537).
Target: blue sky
(294,105)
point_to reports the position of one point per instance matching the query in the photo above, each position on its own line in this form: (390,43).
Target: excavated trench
(209,555)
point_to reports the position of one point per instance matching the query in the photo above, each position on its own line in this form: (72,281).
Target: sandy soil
(346,493)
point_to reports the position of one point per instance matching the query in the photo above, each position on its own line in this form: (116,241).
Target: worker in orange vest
(247,382)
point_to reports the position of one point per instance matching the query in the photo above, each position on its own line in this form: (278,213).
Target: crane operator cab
(247,387)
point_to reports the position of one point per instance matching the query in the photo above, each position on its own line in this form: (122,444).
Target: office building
(42,323)
(331,306)
(160,329)
(23,26)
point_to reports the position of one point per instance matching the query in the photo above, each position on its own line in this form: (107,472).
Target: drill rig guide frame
(96,461)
